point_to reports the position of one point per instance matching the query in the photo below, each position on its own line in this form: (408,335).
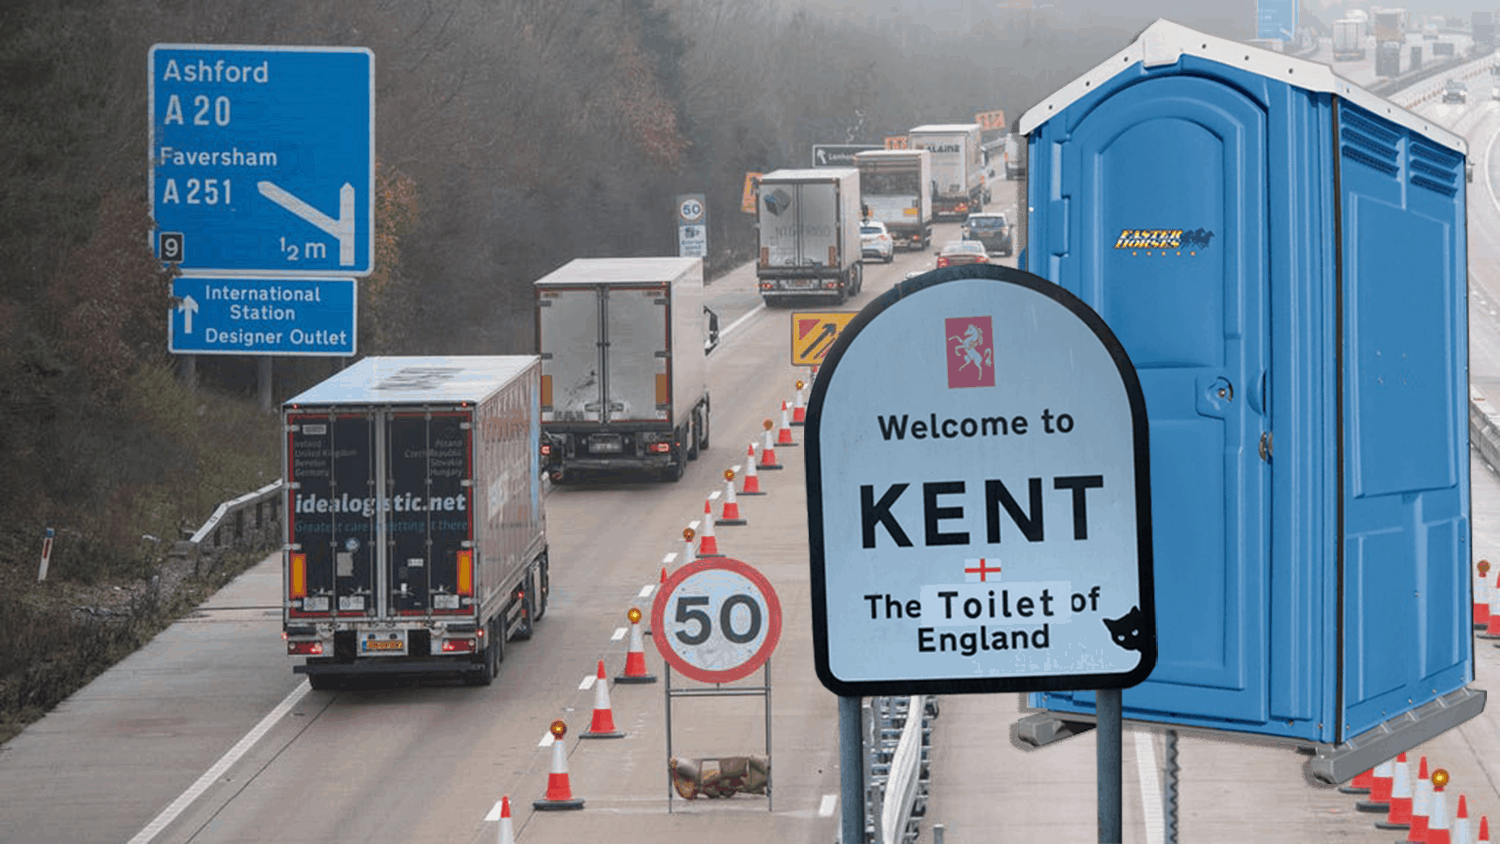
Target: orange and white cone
(1399,816)
(1463,831)
(635,657)
(559,790)
(784,433)
(1484,830)
(1361,784)
(799,406)
(1439,830)
(730,515)
(1482,596)
(1492,630)
(1380,789)
(603,725)
(708,544)
(752,481)
(1421,804)
(688,554)
(768,451)
(507,831)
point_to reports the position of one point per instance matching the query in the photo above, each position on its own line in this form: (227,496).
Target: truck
(956,167)
(895,188)
(808,228)
(624,345)
(1388,59)
(1348,41)
(1390,26)
(415,536)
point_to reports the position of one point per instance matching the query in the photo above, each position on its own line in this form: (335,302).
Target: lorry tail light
(833,256)
(765,256)
(454,646)
(465,572)
(660,448)
(313,648)
(297,577)
(942,262)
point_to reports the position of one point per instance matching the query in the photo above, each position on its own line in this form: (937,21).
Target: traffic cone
(635,657)
(1380,789)
(1439,831)
(752,482)
(799,406)
(784,433)
(603,725)
(559,791)
(708,544)
(1484,830)
(1492,629)
(1482,596)
(768,451)
(688,554)
(1463,831)
(1361,783)
(1399,816)
(1421,804)
(731,512)
(507,832)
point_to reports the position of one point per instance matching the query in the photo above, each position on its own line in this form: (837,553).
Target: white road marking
(825,809)
(618,634)
(494,814)
(669,559)
(648,588)
(588,683)
(547,739)
(724,334)
(213,774)
(1150,780)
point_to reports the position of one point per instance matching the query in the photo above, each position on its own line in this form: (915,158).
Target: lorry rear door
(637,355)
(802,227)
(569,336)
(333,509)
(428,516)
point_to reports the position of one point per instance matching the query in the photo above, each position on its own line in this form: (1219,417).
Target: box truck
(1230,213)
(1348,42)
(415,538)
(624,344)
(895,188)
(957,167)
(808,223)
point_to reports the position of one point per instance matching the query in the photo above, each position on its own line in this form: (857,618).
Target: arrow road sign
(263,316)
(813,334)
(263,159)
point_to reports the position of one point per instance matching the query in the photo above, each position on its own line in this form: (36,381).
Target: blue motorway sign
(263,158)
(1276,20)
(262,316)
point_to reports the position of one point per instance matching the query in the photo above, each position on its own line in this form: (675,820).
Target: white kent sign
(978,491)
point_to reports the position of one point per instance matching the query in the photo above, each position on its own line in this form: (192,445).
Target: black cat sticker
(1126,630)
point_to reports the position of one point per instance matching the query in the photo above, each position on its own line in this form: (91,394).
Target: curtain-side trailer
(415,534)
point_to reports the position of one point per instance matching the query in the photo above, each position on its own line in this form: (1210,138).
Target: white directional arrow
(188,307)
(342,228)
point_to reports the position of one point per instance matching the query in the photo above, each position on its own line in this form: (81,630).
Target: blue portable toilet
(1283,256)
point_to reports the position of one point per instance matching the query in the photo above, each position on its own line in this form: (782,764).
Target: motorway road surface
(206,735)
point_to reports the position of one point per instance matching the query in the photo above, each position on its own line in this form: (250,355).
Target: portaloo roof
(1165,42)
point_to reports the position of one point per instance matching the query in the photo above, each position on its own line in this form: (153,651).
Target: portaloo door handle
(1265,446)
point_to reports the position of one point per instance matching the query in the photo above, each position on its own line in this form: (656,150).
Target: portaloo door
(1160,224)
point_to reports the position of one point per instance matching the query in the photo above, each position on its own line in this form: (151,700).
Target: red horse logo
(973,361)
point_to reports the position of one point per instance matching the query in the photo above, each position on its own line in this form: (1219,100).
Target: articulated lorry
(957,168)
(415,538)
(1348,40)
(895,188)
(624,344)
(809,235)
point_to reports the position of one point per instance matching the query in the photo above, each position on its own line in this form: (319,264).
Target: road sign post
(716,620)
(979,520)
(263,158)
(692,225)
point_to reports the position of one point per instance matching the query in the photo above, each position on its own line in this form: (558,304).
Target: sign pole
(851,772)
(1107,759)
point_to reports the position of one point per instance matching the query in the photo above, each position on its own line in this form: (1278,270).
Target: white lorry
(957,167)
(1348,40)
(895,188)
(415,537)
(624,344)
(808,223)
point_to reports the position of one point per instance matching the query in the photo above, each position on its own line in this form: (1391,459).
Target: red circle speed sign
(716,620)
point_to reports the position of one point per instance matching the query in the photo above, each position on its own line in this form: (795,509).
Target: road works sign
(263,158)
(813,335)
(978,491)
(716,620)
(262,316)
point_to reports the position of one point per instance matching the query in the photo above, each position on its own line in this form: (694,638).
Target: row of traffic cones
(1420,807)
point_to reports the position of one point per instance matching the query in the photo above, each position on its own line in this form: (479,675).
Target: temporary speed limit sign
(716,620)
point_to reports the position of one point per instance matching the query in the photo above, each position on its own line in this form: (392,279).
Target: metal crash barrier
(897,740)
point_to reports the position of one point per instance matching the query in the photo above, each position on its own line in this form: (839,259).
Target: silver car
(875,241)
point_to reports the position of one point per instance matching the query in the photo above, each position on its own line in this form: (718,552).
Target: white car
(875,241)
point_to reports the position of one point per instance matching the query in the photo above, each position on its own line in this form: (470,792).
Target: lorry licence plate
(605,444)
(386,642)
(801,284)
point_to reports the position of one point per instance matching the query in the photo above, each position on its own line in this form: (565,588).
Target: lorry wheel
(322,682)
(673,472)
(528,608)
(545,586)
(703,428)
(692,437)
(490,660)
